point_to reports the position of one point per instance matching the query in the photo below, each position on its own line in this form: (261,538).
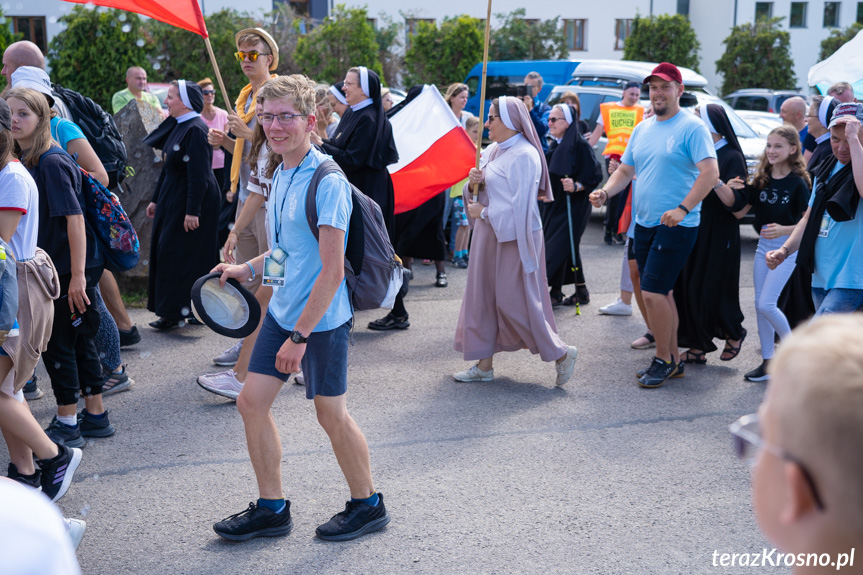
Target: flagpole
(482,91)
(219,74)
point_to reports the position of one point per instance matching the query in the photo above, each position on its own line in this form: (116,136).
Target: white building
(593,29)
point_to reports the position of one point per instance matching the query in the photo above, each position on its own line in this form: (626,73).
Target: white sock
(70,420)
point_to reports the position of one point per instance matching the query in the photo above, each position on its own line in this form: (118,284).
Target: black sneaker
(657,373)
(255,522)
(57,473)
(677,372)
(759,373)
(31,390)
(94,426)
(59,432)
(130,337)
(357,519)
(31,481)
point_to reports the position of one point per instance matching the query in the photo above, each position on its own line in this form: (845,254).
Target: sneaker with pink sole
(224,383)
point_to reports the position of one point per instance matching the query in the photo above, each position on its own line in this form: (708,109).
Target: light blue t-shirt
(664,155)
(64,131)
(287,214)
(839,253)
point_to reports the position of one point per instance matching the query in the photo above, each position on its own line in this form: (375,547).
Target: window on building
(683,7)
(831,14)
(763,11)
(574,30)
(860,12)
(798,15)
(32,28)
(621,32)
(373,22)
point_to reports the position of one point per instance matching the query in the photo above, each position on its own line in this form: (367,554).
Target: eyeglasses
(811,116)
(284,119)
(492,117)
(253,55)
(208,92)
(748,442)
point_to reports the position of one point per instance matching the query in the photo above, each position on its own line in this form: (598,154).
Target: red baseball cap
(667,72)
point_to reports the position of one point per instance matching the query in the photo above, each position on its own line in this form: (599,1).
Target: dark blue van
(505,75)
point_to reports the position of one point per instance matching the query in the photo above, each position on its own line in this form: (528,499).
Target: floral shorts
(459,216)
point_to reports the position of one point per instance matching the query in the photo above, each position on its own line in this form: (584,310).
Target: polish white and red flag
(434,150)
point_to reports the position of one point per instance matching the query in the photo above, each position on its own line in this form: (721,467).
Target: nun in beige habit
(506,306)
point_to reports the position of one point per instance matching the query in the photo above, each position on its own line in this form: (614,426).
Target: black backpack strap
(325,168)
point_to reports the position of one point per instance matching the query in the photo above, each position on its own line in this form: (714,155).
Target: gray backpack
(373,271)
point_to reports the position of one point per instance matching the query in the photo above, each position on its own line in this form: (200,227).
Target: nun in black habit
(185,207)
(574,172)
(363,144)
(707,291)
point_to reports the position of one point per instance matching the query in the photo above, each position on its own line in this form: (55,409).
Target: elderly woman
(185,207)
(506,306)
(574,173)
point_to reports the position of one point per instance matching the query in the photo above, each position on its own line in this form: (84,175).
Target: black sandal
(390,322)
(556,299)
(163,324)
(690,356)
(730,349)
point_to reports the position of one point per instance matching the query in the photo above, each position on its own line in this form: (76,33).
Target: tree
(342,41)
(286,27)
(6,37)
(94,50)
(665,38)
(180,54)
(388,36)
(518,39)
(757,56)
(837,38)
(443,55)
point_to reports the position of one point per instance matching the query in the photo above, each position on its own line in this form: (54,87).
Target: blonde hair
(454,90)
(795,159)
(42,140)
(205,82)
(250,38)
(820,413)
(258,141)
(471,123)
(296,88)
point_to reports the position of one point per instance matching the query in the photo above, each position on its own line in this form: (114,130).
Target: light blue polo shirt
(287,213)
(64,131)
(664,155)
(839,254)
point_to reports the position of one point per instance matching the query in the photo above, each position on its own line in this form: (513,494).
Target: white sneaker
(565,367)
(616,308)
(474,374)
(76,529)
(224,383)
(299,379)
(230,356)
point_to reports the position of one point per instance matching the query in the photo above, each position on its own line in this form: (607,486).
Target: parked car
(504,76)
(598,81)
(762,122)
(760,99)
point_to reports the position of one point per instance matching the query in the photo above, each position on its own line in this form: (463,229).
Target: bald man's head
(23,53)
(793,111)
(136,80)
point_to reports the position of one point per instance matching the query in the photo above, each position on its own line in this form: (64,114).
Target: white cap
(33,78)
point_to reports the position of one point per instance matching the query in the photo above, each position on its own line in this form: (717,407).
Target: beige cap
(265,36)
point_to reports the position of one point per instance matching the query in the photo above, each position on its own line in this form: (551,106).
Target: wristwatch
(298,337)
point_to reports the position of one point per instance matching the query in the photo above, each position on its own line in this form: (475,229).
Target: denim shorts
(661,252)
(325,363)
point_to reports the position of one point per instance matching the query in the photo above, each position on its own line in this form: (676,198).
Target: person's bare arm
(615,184)
(9,223)
(86,156)
(250,208)
(597,133)
(853,133)
(708,173)
(791,245)
(78,249)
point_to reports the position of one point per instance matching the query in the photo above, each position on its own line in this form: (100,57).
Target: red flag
(185,14)
(434,151)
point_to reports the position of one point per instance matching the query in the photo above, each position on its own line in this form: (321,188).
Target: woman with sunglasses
(185,206)
(506,306)
(574,172)
(216,118)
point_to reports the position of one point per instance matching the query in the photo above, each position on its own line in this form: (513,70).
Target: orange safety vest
(619,121)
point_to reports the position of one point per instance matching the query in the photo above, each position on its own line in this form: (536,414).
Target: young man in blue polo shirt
(307,324)
(673,156)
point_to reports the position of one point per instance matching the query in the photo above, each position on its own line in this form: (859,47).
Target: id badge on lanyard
(274,268)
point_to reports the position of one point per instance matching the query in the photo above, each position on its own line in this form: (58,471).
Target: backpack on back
(373,271)
(115,236)
(101,131)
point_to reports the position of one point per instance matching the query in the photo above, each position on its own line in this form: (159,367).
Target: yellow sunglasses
(253,56)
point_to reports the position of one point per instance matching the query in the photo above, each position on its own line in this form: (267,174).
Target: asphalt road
(513,476)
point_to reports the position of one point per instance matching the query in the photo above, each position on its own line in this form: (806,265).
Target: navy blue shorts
(661,253)
(325,363)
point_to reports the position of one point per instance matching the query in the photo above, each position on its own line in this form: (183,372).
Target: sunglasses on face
(253,55)
(554,120)
(208,92)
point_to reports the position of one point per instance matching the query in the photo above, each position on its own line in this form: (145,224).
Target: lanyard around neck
(277,231)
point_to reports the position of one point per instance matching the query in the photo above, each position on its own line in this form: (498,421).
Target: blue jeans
(836,300)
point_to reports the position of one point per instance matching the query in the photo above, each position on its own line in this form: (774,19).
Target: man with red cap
(673,156)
